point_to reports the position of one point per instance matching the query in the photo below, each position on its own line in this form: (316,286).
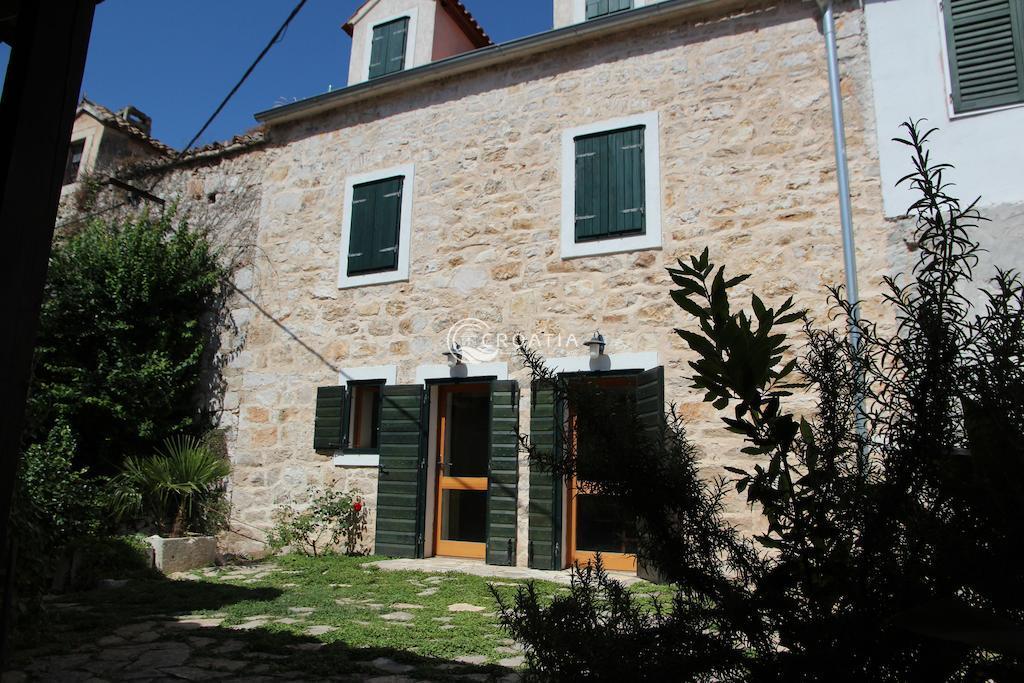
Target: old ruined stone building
(540,186)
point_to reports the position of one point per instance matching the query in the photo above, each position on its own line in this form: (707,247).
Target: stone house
(102,140)
(462,189)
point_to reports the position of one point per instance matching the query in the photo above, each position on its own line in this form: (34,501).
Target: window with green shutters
(610,184)
(375,225)
(985,41)
(599,8)
(387,51)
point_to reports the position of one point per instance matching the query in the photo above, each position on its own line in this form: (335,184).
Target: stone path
(479,568)
(198,648)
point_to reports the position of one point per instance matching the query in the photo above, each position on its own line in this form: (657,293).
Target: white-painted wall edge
(461,371)
(641,360)
(388,373)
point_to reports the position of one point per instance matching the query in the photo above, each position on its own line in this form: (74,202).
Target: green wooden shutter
(599,8)
(387,222)
(545,530)
(387,51)
(330,423)
(503,474)
(650,399)
(610,184)
(626,151)
(985,40)
(374,226)
(401,486)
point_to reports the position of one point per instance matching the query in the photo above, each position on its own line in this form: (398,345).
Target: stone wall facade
(747,169)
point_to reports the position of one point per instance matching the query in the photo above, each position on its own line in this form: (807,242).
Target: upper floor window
(75,152)
(610,187)
(376,227)
(387,50)
(609,184)
(985,42)
(599,8)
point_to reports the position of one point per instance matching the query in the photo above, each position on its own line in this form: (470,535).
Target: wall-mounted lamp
(453,354)
(596,344)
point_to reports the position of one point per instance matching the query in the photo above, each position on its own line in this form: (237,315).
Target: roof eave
(496,54)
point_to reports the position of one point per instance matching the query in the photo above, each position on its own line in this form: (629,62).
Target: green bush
(332,517)
(180,489)
(124,326)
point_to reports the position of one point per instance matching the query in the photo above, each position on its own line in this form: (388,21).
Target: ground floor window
(364,415)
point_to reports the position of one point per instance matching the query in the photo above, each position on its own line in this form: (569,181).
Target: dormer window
(599,8)
(387,51)
(399,35)
(75,153)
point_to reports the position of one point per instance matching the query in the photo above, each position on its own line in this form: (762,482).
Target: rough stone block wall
(747,170)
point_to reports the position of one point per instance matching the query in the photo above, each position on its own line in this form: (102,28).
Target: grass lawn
(306,616)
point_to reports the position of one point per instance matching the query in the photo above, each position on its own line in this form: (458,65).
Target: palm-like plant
(183,477)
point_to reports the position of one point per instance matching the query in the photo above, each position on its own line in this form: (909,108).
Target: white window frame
(947,75)
(651,239)
(384,373)
(401,272)
(579,9)
(410,40)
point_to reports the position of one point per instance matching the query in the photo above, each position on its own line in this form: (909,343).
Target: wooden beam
(44,76)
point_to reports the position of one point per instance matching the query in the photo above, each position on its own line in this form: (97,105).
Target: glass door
(599,523)
(463,447)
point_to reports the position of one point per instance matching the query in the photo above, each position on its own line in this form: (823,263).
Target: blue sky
(176,59)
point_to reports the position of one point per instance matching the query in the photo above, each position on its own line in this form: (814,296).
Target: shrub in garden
(180,489)
(331,518)
(123,330)
(893,520)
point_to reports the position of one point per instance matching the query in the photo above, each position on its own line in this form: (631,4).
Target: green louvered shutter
(610,184)
(329,423)
(650,408)
(503,474)
(387,52)
(650,399)
(401,486)
(374,228)
(545,531)
(985,41)
(599,8)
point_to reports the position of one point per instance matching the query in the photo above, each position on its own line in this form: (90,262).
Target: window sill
(381,278)
(613,245)
(956,116)
(356,459)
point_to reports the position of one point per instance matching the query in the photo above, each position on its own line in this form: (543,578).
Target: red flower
(357,506)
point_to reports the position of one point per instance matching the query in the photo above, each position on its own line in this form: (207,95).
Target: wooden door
(600,523)
(460,519)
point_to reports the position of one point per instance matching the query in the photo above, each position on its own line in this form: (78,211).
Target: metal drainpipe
(828,25)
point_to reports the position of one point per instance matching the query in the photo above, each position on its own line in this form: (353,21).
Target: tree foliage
(892,514)
(126,320)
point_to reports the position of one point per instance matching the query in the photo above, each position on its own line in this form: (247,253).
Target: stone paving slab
(443,565)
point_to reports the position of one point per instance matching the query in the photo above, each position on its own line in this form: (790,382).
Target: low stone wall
(172,555)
